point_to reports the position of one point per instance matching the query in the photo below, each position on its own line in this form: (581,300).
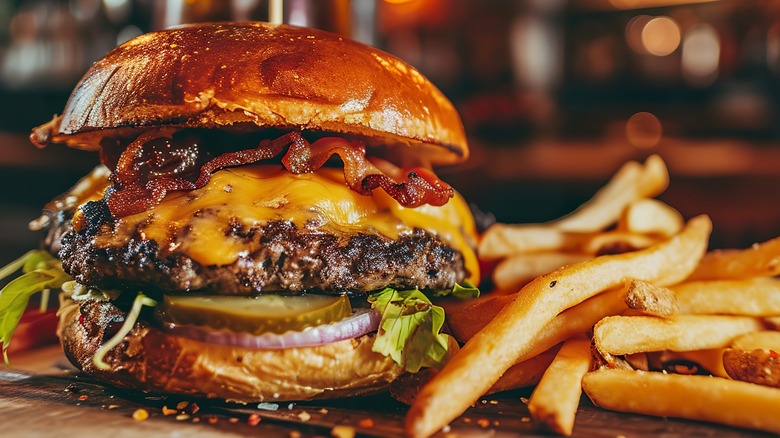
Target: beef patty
(289,259)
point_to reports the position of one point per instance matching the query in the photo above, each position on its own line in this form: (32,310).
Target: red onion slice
(363,321)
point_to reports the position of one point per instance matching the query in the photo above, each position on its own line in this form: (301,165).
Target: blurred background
(554,94)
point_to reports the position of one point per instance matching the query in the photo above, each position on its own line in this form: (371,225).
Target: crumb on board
(140,415)
(366,423)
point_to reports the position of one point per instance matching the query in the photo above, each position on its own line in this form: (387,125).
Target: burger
(265,223)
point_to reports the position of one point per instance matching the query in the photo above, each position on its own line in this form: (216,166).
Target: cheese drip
(197,222)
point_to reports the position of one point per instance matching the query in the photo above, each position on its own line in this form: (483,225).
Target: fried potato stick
(569,233)
(554,402)
(626,186)
(650,299)
(620,335)
(760,260)
(754,297)
(510,335)
(704,398)
(517,270)
(651,216)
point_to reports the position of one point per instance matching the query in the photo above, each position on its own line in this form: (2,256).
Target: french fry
(502,240)
(755,358)
(754,297)
(582,317)
(508,337)
(517,270)
(704,398)
(619,335)
(650,299)
(615,242)
(758,366)
(627,185)
(508,240)
(520,375)
(760,260)
(765,340)
(631,182)
(651,216)
(554,401)
(526,373)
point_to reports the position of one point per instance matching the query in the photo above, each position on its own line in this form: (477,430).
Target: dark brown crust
(222,74)
(289,259)
(755,366)
(149,359)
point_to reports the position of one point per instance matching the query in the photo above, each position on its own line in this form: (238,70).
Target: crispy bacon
(155,164)
(410,187)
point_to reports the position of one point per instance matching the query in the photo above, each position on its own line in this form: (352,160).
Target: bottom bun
(152,360)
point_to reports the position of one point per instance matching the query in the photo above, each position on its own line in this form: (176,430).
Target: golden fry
(569,233)
(629,184)
(650,299)
(503,240)
(509,336)
(760,260)
(765,340)
(760,366)
(619,335)
(526,373)
(554,401)
(615,242)
(754,297)
(517,270)
(651,216)
(704,398)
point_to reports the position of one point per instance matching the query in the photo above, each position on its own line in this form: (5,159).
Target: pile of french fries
(621,300)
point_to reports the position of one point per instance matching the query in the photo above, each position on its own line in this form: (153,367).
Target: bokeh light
(661,36)
(643,130)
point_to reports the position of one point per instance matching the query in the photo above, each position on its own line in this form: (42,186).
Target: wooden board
(54,400)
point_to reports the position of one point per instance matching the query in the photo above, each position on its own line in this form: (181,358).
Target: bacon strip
(410,187)
(145,173)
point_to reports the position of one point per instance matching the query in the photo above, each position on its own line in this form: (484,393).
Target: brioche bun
(150,359)
(249,76)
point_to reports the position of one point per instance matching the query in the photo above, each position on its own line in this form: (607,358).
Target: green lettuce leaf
(463,291)
(40,271)
(409,331)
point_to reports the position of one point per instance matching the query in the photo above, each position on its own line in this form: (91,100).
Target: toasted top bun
(250,75)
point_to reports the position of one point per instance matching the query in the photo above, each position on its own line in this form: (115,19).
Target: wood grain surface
(50,399)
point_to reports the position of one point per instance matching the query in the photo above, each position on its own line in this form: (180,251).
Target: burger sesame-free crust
(260,75)
(289,259)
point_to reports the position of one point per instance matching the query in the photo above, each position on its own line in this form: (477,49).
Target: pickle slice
(257,315)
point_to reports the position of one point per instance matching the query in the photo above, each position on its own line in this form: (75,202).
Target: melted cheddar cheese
(197,222)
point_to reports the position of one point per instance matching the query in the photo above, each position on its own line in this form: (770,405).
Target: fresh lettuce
(40,271)
(463,291)
(410,328)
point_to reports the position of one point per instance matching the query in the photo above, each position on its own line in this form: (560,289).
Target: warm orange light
(643,130)
(661,36)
